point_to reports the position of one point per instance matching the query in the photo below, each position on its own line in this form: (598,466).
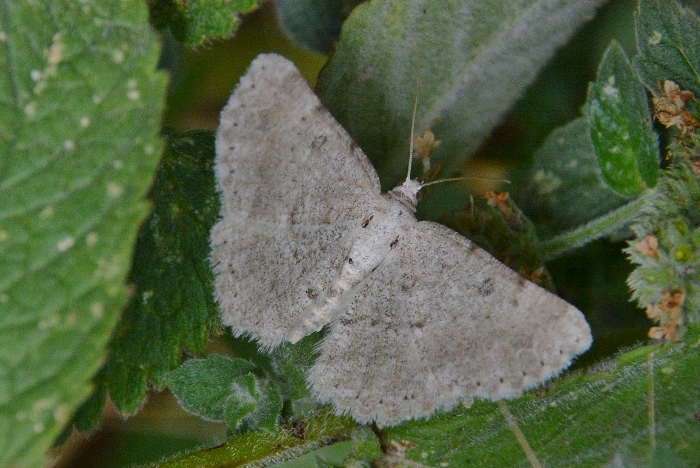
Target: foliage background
(201,81)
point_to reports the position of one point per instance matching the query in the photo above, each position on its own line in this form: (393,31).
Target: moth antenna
(413,127)
(452,179)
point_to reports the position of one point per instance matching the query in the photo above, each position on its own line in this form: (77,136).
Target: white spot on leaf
(50,321)
(55,54)
(47,212)
(30,108)
(146,296)
(91,239)
(655,38)
(61,414)
(117,56)
(97,309)
(65,243)
(114,190)
(84,122)
(69,145)
(609,89)
(109,268)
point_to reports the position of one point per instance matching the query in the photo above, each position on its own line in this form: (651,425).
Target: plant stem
(605,225)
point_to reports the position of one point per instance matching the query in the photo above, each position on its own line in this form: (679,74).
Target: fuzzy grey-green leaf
(565,186)
(668,44)
(459,55)
(618,114)
(315,24)
(204,386)
(222,389)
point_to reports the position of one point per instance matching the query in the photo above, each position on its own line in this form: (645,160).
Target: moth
(417,317)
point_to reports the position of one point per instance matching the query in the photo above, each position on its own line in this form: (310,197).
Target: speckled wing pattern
(436,321)
(278,243)
(449,322)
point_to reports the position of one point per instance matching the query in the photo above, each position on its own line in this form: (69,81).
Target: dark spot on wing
(350,261)
(367,220)
(394,243)
(486,287)
(318,141)
(346,321)
(311,293)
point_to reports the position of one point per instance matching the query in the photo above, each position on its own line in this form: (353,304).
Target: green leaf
(315,24)
(565,186)
(194,22)
(461,58)
(619,118)
(365,444)
(203,386)
(638,407)
(330,456)
(172,308)
(265,448)
(669,44)
(218,388)
(589,420)
(81,105)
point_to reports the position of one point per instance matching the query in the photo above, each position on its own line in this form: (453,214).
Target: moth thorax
(406,194)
